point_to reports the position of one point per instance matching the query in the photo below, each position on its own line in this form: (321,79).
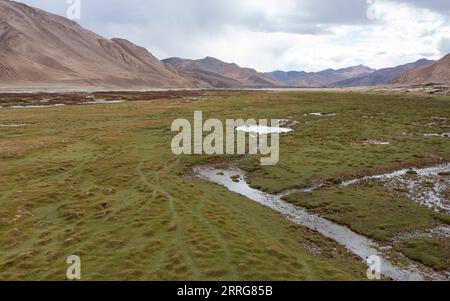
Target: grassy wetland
(100,181)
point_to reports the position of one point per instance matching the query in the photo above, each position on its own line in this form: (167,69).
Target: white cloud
(444,45)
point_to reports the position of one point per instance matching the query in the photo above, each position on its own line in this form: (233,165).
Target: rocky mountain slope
(38,48)
(439,72)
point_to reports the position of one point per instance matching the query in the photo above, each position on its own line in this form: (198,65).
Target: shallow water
(444,135)
(38,106)
(321,114)
(13,125)
(357,244)
(430,135)
(375,142)
(94,102)
(103,101)
(417,185)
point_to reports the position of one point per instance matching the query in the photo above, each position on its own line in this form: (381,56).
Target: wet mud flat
(11,100)
(428,187)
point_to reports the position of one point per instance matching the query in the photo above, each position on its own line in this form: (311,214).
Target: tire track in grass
(218,236)
(306,264)
(180,237)
(144,179)
(157,259)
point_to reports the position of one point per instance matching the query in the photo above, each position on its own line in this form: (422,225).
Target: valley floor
(100,181)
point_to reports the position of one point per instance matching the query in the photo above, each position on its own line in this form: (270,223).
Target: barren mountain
(439,72)
(41,49)
(204,79)
(382,76)
(287,77)
(320,79)
(213,70)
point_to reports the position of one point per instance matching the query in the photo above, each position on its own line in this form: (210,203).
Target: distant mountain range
(231,74)
(383,76)
(319,79)
(41,49)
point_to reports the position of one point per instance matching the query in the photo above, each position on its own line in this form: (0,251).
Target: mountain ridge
(244,77)
(40,48)
(319,79)
(438,72)
(382,76)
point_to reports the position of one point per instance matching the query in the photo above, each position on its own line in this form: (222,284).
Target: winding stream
(356,243)
(424,186)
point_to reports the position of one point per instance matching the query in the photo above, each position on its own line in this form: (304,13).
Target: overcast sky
(268,35)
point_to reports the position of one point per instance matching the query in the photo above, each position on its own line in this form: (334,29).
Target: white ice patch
(261,130)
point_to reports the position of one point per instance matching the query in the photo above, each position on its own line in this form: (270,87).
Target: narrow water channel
(356,243)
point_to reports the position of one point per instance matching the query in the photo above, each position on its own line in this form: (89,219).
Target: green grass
(431,252)
(371,211)
(330,146)
(101,182)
